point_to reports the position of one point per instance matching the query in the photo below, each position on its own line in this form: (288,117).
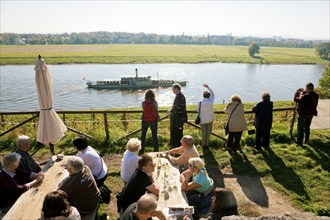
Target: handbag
(198,119)
(227,124)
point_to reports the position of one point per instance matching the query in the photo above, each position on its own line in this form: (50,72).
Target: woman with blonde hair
(198,185)
(236,122)
(130,159)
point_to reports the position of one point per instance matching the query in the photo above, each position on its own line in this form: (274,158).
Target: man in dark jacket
(178,116)
(306,106)
(263,121)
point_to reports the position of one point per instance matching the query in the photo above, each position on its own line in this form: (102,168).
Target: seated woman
(10,189)
(130,159)
(56,207)
(81,188)
(223,204)
(200,190)
(186,151)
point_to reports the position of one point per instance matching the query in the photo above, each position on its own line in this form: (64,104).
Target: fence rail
(105,113)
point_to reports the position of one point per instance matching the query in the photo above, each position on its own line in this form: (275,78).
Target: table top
(171,197)
(29,204)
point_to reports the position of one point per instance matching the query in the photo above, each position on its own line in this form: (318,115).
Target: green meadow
(151,53)
(300,174)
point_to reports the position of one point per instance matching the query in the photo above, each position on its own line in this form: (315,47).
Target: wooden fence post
(292,122)
(106,126)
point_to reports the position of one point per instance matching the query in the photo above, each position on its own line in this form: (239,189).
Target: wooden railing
(105,113)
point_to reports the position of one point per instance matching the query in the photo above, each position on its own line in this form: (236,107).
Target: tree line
(103,37)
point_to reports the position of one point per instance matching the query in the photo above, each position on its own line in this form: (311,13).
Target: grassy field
(301,174)
(147,53)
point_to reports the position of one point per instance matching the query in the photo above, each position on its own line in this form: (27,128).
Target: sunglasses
(192,166)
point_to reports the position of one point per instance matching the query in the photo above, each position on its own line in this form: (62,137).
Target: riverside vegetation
(153,53)
(301,174)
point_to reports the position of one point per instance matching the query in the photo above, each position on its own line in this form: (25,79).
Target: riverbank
(148,53)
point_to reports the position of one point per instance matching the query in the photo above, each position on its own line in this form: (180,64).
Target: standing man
(178,116)
(306,106)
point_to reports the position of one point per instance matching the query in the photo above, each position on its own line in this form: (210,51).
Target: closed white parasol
(51,128)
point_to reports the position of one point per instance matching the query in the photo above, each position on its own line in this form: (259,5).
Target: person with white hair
(198,186)
(10,189)
(186,151)
(27,164)
(145,208)
(81,188)
(130,159)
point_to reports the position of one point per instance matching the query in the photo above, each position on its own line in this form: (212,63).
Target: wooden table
(29,204)
(170,194)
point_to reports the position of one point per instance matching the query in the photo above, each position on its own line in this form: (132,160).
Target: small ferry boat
(133,82)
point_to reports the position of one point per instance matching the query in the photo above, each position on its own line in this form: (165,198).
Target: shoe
(306,142)
(224,149)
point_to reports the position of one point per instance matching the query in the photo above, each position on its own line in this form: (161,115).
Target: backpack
(149,111)
(105,194)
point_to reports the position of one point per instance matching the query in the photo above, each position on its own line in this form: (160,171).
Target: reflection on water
(18,90)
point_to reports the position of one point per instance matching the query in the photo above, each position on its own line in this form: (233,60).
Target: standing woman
(236,122)
(263,121)
(149,118)
(206,114)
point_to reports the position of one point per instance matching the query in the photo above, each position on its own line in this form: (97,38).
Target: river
(18,90)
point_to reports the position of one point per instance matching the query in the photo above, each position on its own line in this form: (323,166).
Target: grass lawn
(153,53)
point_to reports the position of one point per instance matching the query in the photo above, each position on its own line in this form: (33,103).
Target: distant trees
(323,50)
(104,37)
(253,49)
(324,83)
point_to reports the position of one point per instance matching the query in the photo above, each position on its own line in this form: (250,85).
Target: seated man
(140,182)
(91,159)
(27,164)
(81,188)
(186,151)
(10,189)
(144,208)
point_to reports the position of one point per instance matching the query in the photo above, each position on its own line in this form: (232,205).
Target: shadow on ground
(213,169)
(284,175)
(251,185)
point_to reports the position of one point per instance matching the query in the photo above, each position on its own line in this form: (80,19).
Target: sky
(305,19)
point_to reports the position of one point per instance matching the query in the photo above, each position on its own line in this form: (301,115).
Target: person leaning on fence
(178,116)
(200,190)
(307,102)
(10,189)
(150,119)
(81,188)
(140,183)
(186,151)
(206,114)
(56,207)
(92,159)
(223,204)
(236,123)
(129,163)
(27,164)
(144,208)
(263,121)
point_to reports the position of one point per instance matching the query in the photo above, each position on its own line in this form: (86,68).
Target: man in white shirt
(91,159)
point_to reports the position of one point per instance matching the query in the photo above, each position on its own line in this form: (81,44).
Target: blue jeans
(304,123)
(153,127)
